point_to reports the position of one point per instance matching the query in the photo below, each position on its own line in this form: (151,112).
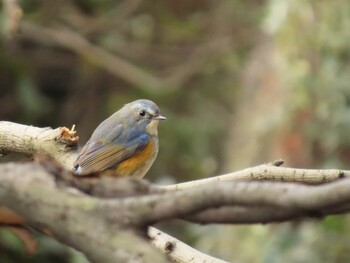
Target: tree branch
(177,250)
(268,172)
(309,200)
(73,218)
(67,38)
(42,194)
(59,143)
(94,54)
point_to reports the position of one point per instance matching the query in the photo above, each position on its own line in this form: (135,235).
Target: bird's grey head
(145,113)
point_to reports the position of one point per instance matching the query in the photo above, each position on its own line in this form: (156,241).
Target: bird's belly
(138,164)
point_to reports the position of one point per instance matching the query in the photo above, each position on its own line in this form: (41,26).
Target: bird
(126,142)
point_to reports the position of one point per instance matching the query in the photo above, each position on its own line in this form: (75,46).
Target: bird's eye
(142,113)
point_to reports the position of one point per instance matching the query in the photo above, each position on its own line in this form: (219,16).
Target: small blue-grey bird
(127,142)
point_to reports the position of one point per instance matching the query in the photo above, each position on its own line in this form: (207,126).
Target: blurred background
(241,83)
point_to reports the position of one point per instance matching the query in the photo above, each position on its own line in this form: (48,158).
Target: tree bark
(106,217)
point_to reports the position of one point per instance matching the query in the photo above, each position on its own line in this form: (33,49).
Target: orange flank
(129,166)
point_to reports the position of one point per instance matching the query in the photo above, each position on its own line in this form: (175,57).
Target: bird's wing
(98,155)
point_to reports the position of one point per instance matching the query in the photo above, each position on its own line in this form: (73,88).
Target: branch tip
(68,136)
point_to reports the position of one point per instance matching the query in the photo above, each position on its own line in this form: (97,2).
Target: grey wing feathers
(98,156)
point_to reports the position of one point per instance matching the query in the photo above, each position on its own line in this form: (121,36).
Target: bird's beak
(160,118)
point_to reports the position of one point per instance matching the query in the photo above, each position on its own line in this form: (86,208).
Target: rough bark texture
(59,143)
(113,214)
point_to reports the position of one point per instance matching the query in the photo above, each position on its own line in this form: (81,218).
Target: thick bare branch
(31,192)
(309,200)
(74,218)
(23,136)
(30,140)
(29,189)
(59,143)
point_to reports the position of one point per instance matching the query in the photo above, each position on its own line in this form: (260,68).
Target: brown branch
(125,70)
(260,214)
(73,41)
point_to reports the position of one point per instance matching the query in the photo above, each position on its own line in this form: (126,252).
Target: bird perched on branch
(126,142)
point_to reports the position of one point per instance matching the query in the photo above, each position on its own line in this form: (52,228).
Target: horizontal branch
(268,172)
(309,201)
(27,139)
(59,143)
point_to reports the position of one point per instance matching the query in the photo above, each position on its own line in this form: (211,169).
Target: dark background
(241,83)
